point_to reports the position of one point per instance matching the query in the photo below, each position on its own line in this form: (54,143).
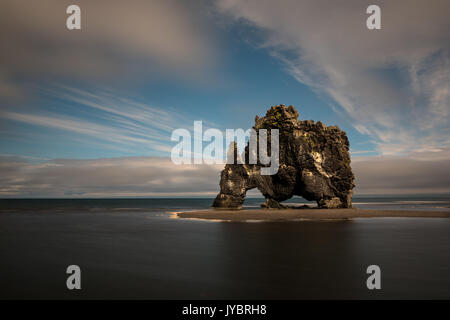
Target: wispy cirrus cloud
(101,116)
(393,83)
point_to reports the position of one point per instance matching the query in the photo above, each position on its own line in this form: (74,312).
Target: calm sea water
(132,248)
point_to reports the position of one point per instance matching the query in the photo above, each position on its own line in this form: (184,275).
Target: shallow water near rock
(130,248)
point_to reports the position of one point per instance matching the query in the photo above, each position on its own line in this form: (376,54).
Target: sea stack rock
(314,163)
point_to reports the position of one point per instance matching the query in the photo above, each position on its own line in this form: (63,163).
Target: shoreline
(289,214)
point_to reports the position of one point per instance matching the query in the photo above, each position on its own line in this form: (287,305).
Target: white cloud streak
(392,83)
(122,123)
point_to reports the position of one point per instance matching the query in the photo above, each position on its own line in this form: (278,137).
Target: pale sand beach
(309,214)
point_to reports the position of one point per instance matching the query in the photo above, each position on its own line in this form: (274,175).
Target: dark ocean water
(132,248)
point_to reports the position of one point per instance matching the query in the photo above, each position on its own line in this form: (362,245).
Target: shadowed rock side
(314,163)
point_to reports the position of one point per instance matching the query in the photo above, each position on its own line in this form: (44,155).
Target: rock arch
(314,163)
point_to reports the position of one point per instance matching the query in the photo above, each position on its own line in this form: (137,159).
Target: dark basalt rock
(314,163)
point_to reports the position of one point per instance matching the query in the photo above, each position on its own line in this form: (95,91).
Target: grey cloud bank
(116,177)
(422,172)
(159,177)
(115,40)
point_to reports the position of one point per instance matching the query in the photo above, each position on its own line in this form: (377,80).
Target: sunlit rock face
(314,163)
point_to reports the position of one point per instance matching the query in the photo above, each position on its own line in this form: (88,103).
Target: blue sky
(133,74)
(249,81)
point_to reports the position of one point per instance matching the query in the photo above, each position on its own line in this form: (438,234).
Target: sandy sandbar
(305,214)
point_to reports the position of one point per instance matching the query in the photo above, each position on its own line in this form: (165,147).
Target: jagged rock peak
(314,163)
